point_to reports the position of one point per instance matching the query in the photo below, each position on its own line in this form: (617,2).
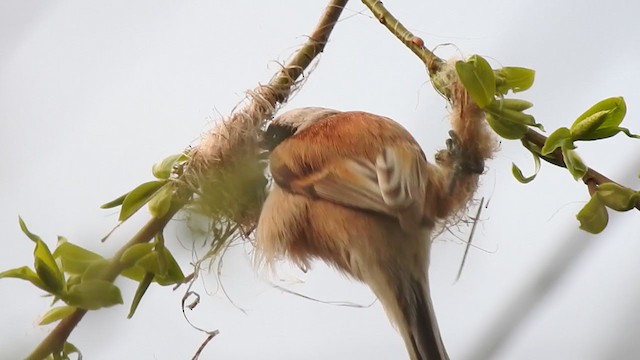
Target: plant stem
(284,80)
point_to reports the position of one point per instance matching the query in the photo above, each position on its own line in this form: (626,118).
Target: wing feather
(394,185)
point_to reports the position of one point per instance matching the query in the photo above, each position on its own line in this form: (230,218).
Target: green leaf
(160,249)
(93,294)
(514,104)
(142,288)
(69,349)
(537,150)
(115,202)
(517,173)
(138,197)
(593,217)
(25,230)
(147,260)
(477,77)
(628,133)
(586,126)
(74,280)
(150,263)
(617,197)
(47,269)
(74,259)
(506,129)
(557,139)
(55,314)
(135,253)
(601,120)
(603,133)
(25,273)
(173,274)
(134,273)
(160,203)
(499,111)
(574,163)
(515,79)
(162,169)
(95,270)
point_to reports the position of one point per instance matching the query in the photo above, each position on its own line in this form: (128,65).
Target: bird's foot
(462,160)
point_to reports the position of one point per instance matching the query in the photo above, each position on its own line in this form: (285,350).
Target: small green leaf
(586,126)
(160,203)
(537,150)
(150,263)
(69,349)
(138,197)
(74,280)
(27,274)
(628,133)
(162,169)
(95,270)
(506,129)
(166,268)
(603,133)
(173,274)
(134,273)
(160,249)
(514,104)
(617,197)
(93,294)
(606,124)
(135,253)
(25,230)
(115,202)
(515,79)
(46,268)
(142,288)
(477,77)
(517,173)
(55,314)
(498,111)
(593,217)
(574,163)
(557,139)
(74,258)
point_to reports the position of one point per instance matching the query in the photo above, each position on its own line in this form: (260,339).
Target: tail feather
(409,306)
(422,327)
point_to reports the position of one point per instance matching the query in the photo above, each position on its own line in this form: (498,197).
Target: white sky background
(93,93)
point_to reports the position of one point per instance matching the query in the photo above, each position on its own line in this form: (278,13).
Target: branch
(313,46)
(283,83)
(56,339)
(414,43)
(592,178)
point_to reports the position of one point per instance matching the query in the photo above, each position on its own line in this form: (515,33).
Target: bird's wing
(394,185)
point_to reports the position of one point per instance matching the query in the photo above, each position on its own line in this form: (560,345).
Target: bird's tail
(420,317)
(408,303)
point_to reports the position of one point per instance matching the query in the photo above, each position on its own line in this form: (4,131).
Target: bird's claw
(464,162)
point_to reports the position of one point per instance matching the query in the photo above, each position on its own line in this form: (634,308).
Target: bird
(355,190)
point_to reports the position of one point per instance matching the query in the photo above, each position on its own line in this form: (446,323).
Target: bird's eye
(274,135)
